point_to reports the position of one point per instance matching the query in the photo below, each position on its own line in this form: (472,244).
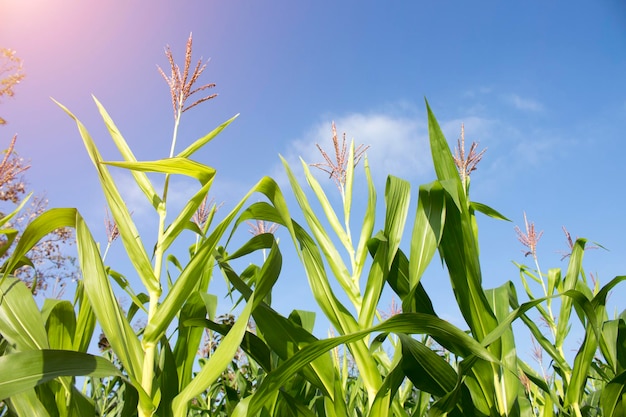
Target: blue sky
(540,84)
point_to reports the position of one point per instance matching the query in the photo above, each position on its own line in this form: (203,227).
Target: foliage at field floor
(413,363)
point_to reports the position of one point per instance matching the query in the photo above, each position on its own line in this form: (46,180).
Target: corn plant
(412,363)
(379,377)
(486,378)
(157,368)
(593,384)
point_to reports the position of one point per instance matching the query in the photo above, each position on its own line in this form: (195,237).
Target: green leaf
(4,220)
(85,321)
(445,167)
(175,165)
(414,300)
(60,323)
(187,282)
(596,312)
(367,227)
(182,221)
(397,199)
(488,211)
(569,283)
(331,254)
(128,231)
(191,149)
(140,178)
(451,338)
(459,247)
(509,387)
(218,361)
(27,404)
(612,397)
(427,370)
(333,220)
(427,229)
(110,316)
(42,225)
(460,252)
(10,235)
(167,379)
(22,371)
(20,320)
(283,336)
(188,338)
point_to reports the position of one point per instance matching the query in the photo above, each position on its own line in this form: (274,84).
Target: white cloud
(398,144)
(522,103)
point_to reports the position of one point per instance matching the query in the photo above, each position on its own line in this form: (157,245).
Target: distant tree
(11,73)
(50,263)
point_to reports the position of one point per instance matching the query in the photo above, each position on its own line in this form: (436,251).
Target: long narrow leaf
(176,165)
(569,283)
(45,223)
(21,371)
(110,316)
(127,229)
(454,339)
(427,229)
(187,281)
(140,177)
(191,149)
(218,361)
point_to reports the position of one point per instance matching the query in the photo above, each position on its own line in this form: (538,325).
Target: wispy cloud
(398,144)
(475,92)
(523,103)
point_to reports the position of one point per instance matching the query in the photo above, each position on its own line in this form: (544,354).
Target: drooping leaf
(21,371)
(453,339)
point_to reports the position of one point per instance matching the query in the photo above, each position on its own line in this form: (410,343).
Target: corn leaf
(188,338)
(284,336)
(331,254)
(191,149)
(20,320)
(110,316)
(176,165)
(187,282)
(127,229)
(6,218)
(331,216)
(427,370)
(218,361)
(42,225)
(368,223)
(140,177)
(60,323)
(427,230)
(458,247)
(21,371)
(85,321)
(182,221)
(488,211)
(27,403)
(612,397)
(410,323)
(569,283)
